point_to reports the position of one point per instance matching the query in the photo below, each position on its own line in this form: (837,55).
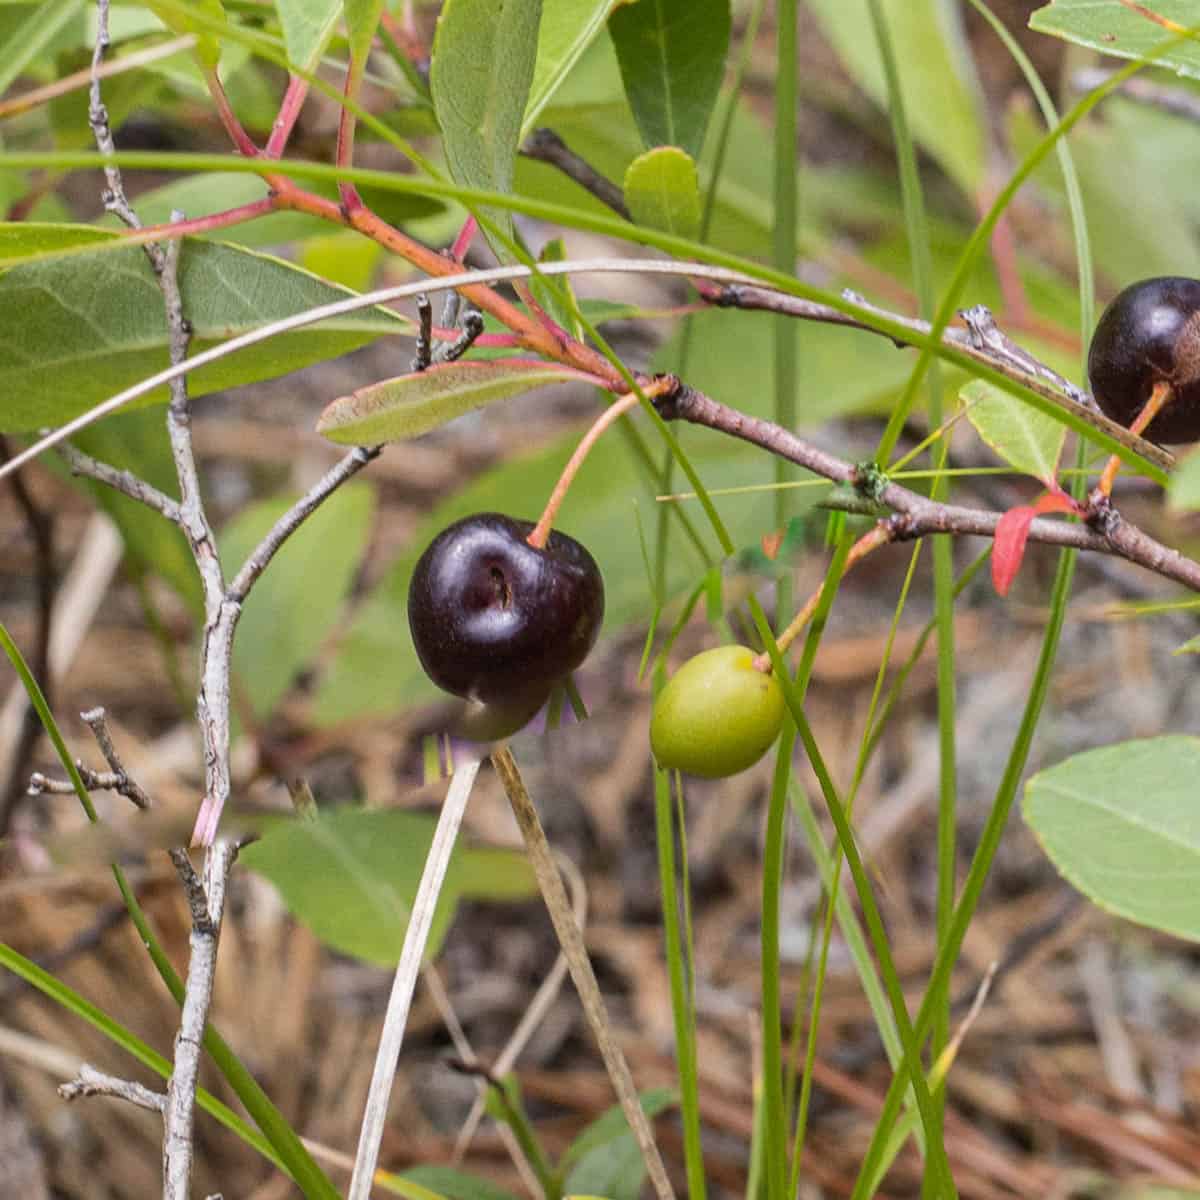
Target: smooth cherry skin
(1150,332)
(717,715)
(497,620)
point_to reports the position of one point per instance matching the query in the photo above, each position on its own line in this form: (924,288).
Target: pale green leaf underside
(1122,824)
(75,331)
(662,191)
(307,27)
(480,74)
(1022,436)
(351,876)
(397,409)
(1119,29)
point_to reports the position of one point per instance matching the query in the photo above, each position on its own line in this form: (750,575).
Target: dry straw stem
(413,952)
(571,940)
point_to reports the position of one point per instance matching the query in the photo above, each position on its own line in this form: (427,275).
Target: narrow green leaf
(941,98)
(480,75)
(1029,440)
(409,405)
(568,27)
(1184,493)
(27,41)
(1122,825)
(208,46)
(1192,646)
(662,191)
(73,331)
(351,877)
(605,1160)
(362,19)
(296,602)
(672,57)
(307,27)
(1117,28)
(449,1184)
(22,241)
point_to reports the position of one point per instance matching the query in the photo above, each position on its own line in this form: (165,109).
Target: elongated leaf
(568,28)
(1121,823)
(605,1159)
(74,331)
(672,56)
(208,46)
(662,191)
(307,27)
(1124,30)
(1025,438)
(397,409)
(23,241)
(1185,484)
(940,97)
(484,53)
(33,35)
(296,601)
(351,877)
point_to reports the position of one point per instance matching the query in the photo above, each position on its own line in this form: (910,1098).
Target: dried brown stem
(544,145)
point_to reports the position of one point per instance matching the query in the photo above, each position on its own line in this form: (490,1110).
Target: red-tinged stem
(1004,255)
(285,120)
(195,225)
(880,535)
(241,139)
(351,200)
(616,410)
(1159,398)
(462,243)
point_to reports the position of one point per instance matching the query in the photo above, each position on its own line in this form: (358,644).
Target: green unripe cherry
(717,714)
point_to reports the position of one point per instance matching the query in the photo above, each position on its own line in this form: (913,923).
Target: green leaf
(940,95)
(568,27)
(307,27)
(1113,27)
(611,1124)
(1025,438)
(662,191)
(479,77)
(1121,823)
(75,331)
(29,39)
(409,405)
(1192,646)
(605,1157)
(455,1185)
(1184,494)
(208,46)
(362,20)
(672,57)
(296,601)
(555,293)
(351,876)
(24,241)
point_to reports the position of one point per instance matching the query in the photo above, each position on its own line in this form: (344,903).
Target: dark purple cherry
(1150,333)
(497,620)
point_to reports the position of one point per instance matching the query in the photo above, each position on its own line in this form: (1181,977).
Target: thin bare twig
(206,899)
(125,482)
(915,515)
(90,1082)
(96,721)
(420,920)
(569,937)
(544,145)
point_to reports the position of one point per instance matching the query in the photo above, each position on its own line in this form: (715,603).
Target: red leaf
(1057,501)
(1008,548)
(771,543)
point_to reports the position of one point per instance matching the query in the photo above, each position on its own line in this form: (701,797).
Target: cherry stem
(616,410)
(1159,398)
(881,535)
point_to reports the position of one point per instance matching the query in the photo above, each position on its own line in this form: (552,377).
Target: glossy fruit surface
(497,620)
(717,714)
(1150,333)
